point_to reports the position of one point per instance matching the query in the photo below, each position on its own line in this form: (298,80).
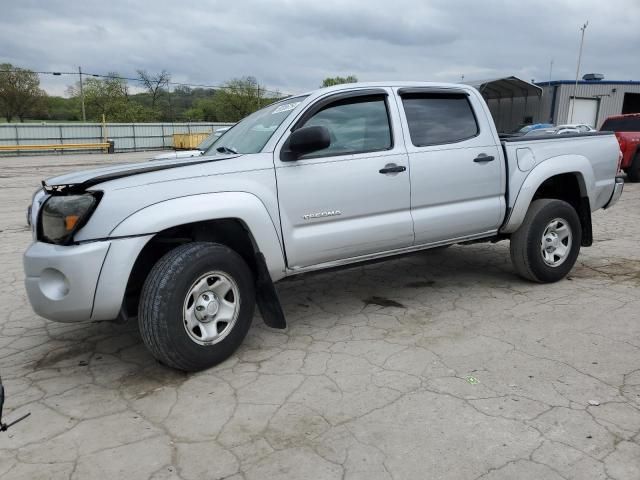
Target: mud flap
(267,296)
(584,212)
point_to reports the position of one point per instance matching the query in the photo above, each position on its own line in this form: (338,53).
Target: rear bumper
(617,192)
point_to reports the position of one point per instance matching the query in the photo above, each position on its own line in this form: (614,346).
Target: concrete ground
(441,365)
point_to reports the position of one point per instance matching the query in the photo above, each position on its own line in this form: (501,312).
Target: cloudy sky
(292,45)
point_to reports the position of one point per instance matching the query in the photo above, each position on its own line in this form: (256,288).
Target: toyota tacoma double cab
(341,175)
(627,130)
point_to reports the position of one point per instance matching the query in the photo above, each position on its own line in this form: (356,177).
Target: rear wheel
(633,172)
(196,306)
(546,246)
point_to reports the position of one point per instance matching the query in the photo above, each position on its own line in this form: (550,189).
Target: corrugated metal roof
(506,87)
(588,82)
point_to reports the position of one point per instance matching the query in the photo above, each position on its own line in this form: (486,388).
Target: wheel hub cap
(211,308)
(551,242)
(556,242)
(207,306)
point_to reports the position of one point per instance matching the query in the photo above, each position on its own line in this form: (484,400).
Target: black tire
(633,172)
(160,313)
(526,254)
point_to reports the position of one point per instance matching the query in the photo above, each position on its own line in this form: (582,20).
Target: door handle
(483,157)
(392,168)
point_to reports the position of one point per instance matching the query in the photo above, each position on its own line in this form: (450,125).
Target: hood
(80,181)
(179,154)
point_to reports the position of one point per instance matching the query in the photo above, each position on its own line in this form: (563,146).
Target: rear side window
(439,118)
(355,125)
(629,124)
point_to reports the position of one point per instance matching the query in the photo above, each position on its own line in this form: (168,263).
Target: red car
(627,129)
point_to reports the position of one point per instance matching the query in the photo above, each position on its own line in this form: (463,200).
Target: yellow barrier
(188,141)
(64,146)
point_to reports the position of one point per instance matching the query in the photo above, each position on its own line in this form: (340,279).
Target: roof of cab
(390,84)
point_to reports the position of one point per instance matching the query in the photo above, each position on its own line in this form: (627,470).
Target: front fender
(576,164)
(243,206)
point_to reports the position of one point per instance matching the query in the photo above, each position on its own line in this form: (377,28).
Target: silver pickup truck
(337,176)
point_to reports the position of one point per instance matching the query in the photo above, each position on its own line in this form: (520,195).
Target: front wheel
(546,246)
(196,306)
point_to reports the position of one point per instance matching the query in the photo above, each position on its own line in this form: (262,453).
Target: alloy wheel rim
(556,242)
(211,308)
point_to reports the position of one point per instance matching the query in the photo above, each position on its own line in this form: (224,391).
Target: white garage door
(585,111)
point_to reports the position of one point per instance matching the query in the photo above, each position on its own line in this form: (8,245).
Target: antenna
(575,86)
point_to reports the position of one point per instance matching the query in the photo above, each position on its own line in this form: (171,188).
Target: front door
(352,198)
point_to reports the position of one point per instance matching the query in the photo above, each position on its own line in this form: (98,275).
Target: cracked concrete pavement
(440,365)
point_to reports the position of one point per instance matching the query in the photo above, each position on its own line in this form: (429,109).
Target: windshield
(253,132)
(623,124)
(207,142)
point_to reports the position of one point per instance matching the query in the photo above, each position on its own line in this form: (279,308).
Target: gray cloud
(292,45)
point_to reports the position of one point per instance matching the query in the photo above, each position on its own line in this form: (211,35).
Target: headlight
(62,216)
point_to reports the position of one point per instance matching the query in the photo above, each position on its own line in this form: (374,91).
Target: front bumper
(617,192)
(79,283)
(61,280)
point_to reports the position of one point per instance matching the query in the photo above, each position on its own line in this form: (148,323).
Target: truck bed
(531,138)
(524,154)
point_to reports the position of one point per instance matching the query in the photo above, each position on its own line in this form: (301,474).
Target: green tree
(203,109)
(60,108)
(20,93)
(109,96)
(330,81)
(239,98)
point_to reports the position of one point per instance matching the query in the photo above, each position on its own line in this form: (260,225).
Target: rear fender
(575,164)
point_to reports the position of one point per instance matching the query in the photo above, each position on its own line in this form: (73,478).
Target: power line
(129,79)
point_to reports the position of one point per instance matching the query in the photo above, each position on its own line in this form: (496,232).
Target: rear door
(457,173)
(352,198)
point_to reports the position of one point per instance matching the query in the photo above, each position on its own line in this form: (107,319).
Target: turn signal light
(620,157)
(70,222)
(623,143)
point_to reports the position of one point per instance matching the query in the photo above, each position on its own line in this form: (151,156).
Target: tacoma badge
(330,213)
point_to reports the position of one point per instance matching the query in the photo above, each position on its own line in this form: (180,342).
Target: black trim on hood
(71,188)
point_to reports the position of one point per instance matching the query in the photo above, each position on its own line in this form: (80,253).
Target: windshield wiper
(223,149)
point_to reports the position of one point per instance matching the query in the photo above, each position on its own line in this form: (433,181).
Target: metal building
(513,101)
(595,100)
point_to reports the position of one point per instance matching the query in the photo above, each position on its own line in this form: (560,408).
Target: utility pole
(84,116)
(550,71)
(575,86)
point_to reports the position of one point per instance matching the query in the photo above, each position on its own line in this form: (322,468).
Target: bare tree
(154,83)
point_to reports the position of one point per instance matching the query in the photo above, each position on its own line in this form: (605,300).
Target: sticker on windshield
(285,108)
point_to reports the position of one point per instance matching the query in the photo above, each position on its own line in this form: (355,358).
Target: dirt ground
(440,365)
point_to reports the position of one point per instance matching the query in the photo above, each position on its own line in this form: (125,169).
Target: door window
(439,118)
(356,125)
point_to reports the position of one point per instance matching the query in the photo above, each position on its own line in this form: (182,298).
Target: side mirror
(306,140)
